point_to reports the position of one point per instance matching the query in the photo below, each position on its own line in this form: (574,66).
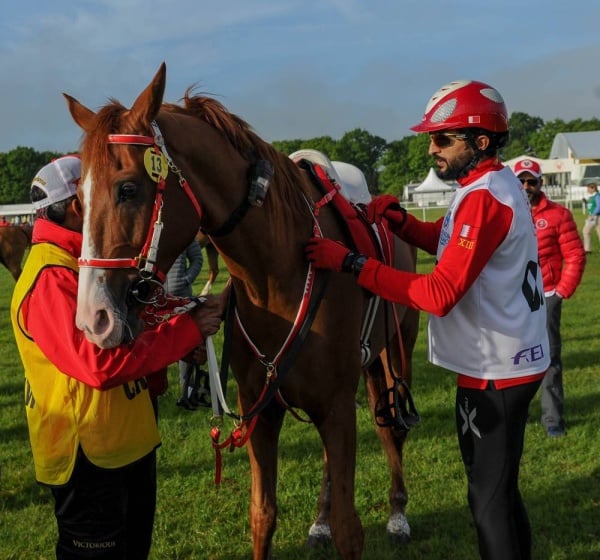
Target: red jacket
(560,250)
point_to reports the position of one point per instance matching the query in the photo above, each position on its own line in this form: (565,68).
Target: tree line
(387,166)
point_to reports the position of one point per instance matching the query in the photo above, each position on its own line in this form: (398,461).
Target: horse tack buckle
(271,374)
(260,179)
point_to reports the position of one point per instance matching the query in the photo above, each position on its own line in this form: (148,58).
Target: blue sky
(293,69)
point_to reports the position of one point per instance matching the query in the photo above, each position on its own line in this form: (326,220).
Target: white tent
(433,191)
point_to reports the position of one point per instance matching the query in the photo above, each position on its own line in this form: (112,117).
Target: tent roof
(433,183)
(579,145)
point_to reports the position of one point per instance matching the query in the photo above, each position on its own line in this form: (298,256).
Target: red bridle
(145,262)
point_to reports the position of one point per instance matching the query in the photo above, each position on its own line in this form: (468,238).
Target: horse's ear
(81,114)
(146,106)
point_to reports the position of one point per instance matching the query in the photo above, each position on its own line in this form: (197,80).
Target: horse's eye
(127,191)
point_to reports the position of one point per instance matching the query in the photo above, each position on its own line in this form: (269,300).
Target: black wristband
(358,263)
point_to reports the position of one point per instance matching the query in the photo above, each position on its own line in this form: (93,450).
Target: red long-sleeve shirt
(439,291)
(53,301)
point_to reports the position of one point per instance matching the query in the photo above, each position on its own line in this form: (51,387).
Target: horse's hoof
(398,529)
(318,535)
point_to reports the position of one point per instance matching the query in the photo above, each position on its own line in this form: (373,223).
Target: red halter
(145,262)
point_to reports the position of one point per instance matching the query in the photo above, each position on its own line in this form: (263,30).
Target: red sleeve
(50,319)
(424,235)
(573,256)
(461,262)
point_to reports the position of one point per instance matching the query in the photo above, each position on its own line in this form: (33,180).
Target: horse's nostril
(102,321)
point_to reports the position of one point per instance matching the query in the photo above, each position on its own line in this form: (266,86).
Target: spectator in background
(180,278)
(562,259)
(593,216)
(4,221)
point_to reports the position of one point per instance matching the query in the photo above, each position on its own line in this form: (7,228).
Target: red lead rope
(238,438)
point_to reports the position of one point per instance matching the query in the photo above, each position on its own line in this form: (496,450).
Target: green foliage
(560,479)
(522,126)
(17,169)
(364,150)
(388,167)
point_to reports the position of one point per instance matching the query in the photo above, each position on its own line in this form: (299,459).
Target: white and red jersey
(484,295)
(498,329)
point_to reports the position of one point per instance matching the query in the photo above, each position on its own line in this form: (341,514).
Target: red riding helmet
(464,104)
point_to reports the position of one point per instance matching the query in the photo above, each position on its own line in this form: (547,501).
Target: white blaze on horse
(156,173)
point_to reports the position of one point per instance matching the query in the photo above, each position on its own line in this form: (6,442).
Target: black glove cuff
(354,262)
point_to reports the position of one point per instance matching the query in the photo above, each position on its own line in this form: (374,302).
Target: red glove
(158,382)
(386,206)
(326,253)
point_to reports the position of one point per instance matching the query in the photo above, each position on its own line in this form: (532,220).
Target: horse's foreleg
(16,272)
(338,432)
(392,441)
(320,532)
(262,451)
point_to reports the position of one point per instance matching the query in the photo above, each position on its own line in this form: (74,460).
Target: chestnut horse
(14,240)
(153,175)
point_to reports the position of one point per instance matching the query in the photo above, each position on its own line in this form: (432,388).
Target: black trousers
(106,513)
(491,430)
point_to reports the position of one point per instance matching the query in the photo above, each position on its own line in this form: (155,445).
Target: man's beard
(458,167)
(534,198)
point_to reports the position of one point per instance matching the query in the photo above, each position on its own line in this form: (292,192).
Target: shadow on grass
(450,535)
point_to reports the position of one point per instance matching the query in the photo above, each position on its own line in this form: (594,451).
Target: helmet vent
(492,94)
(444,111)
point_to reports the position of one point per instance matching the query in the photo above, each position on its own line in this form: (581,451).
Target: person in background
(562,259)
(485,298)
(92,427)
(4,222)
(592,222)
(179,282)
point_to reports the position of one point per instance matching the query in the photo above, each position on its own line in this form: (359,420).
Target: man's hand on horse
(386,206)
(329,254)
(197,355)
(208,315)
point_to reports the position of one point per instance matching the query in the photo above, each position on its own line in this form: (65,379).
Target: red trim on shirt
(468,382)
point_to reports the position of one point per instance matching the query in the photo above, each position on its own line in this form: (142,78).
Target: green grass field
(560,478)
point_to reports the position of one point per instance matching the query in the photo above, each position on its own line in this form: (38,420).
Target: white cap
(59,180)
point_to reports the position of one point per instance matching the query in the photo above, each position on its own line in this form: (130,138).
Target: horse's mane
(289,178)
(291,184)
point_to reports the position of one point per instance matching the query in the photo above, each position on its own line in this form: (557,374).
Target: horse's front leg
(320,532)
(338,432)
(262,451)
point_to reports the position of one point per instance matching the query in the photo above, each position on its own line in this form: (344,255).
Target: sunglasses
(530,182)
(445,139)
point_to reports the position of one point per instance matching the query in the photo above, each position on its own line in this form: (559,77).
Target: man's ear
(482,142)
(76,207)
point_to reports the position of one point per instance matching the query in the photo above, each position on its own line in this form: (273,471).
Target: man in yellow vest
(92,426)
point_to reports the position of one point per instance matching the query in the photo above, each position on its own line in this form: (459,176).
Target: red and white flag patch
(467,236)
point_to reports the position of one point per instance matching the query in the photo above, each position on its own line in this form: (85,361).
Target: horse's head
(124,180)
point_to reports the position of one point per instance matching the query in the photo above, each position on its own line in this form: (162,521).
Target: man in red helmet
(485,298)
(562,259)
